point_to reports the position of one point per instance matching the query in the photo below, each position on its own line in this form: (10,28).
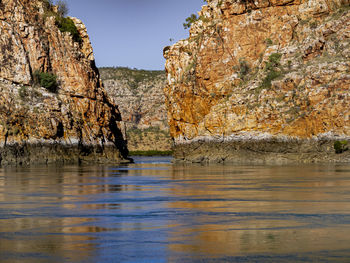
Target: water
(153,211)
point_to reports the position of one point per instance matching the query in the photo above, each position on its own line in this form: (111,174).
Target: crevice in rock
(60,130)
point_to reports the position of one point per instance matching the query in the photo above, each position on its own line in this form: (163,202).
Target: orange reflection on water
(66,237)
(268,210)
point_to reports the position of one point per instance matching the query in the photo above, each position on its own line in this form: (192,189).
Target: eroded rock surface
(78,123)
(258,72)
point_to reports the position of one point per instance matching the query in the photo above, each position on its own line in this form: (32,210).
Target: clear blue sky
(133,33)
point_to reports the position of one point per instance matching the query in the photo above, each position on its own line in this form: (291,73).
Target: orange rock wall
(79,114)
(216,76)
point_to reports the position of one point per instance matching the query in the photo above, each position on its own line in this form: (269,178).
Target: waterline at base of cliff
(59,152)
(259,151)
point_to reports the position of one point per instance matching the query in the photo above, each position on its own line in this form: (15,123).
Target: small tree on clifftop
(62,7)
(190,20)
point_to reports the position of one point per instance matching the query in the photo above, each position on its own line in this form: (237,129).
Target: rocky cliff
(140,98)
(262,81)
(52,104)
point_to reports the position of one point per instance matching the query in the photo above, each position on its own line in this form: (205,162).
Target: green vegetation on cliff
(64,24)
(340,146)
(150,139)
(273,70)
(133,76)
(46,80)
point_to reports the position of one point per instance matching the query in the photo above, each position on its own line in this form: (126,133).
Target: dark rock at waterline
(268,151)
(59,153)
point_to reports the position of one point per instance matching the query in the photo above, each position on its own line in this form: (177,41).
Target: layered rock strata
(262,81)
(77,123)
(140,98)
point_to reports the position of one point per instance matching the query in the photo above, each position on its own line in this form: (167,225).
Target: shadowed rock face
(261,70)
(79,122)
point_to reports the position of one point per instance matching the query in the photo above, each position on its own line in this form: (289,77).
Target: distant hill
(140,98)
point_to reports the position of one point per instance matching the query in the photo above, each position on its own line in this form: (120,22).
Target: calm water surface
(153,211)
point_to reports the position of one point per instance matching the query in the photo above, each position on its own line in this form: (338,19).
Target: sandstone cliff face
(79,122)
(140,98)
(260,78)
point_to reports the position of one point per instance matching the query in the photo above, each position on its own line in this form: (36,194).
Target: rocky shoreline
(260,151)
(59,153)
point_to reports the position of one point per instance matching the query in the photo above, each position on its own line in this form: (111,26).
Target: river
(154,211)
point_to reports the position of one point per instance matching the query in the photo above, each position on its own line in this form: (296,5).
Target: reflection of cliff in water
(236,210)
(154,211)
(61,224)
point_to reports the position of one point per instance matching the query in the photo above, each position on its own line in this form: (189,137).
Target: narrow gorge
(53,107)
(256,81)
(262,82)
(141,101)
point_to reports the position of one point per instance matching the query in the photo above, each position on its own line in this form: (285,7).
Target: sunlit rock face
(254,74)
(75,124)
